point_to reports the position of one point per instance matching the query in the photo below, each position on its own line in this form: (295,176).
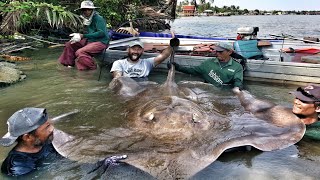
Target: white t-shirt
(140,69)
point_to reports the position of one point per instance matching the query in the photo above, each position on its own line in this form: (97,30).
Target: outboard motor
(247,33)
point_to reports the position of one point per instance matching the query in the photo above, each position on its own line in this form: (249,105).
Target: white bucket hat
(87,5)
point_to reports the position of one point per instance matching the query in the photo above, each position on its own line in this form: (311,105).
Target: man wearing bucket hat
(306,106)
(33,134)
(135,67)
(219,71)
(79,50)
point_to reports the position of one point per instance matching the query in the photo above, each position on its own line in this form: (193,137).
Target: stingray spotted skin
(172,131)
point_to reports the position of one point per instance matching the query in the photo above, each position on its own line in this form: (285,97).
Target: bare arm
(116,74)
(163,56)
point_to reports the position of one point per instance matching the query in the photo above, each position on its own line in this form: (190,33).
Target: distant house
(188,10)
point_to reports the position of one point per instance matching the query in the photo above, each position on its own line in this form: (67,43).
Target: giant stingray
(172,133)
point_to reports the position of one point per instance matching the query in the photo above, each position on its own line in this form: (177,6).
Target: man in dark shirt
(32,131)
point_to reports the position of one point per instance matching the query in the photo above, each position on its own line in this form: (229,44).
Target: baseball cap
(87,5)
(22,122)
(310,93)
(136,43)
(223,46)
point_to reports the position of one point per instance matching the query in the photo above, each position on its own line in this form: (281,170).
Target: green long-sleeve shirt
(313,131)
(97,30)
(213,72)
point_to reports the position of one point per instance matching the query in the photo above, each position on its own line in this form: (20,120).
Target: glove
(174,63)
(108,161)
(75,37)
(174,42)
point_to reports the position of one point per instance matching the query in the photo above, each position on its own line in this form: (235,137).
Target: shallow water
(61,90)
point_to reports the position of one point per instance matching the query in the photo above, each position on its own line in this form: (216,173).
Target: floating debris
(14,58)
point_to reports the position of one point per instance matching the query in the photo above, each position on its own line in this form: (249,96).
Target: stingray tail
(170,85)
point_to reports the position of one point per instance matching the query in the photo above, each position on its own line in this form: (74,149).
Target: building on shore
(188,10)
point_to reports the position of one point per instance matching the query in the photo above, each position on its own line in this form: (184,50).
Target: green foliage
(18,15)
(118,11)
(25,15)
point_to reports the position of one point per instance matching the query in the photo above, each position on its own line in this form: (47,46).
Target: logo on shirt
(215,77)
(133,72)
(232,70)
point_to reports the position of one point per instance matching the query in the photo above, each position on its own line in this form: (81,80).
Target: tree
(25,15)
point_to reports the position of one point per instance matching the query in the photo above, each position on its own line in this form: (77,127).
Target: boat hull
(280,67)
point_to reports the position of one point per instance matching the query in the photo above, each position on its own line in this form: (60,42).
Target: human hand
(170,64)
(108,161)
(236,90)
(76,37)
(174,42)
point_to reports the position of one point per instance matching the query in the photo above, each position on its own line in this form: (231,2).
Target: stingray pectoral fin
(168,166)
(290,126)
(125,86)
(271,133)
(250,103)
(66,145)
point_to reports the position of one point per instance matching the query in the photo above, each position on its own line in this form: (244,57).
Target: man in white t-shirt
(135,67)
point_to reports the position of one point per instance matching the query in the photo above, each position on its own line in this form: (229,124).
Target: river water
(61,90)
(216,26)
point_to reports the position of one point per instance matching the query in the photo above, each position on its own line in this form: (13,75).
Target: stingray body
(171,134)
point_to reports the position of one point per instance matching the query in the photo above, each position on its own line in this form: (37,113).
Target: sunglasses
(86,9)
(307,94)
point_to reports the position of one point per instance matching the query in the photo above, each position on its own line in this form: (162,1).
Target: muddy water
(61,90)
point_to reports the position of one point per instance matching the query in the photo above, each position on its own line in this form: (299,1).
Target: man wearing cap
(33,134)
(79,50)
(32,131)
(306,106)
(219,71)
(135,67)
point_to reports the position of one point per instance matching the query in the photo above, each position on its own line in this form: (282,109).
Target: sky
(283,5)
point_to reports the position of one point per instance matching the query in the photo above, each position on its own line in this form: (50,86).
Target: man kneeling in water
(306,106)
(33,132)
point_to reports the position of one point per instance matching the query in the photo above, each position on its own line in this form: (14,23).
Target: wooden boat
(278,64)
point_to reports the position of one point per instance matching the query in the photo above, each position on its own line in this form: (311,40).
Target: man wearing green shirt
(306,106)
(219,71)
(79,50)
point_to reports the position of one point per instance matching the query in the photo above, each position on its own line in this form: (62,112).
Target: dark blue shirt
(21,163)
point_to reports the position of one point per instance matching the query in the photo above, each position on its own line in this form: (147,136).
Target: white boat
(277,66)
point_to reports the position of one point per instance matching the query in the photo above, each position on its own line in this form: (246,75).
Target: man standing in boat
(306,106)
(79,50)
(219,71)
(135,67)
